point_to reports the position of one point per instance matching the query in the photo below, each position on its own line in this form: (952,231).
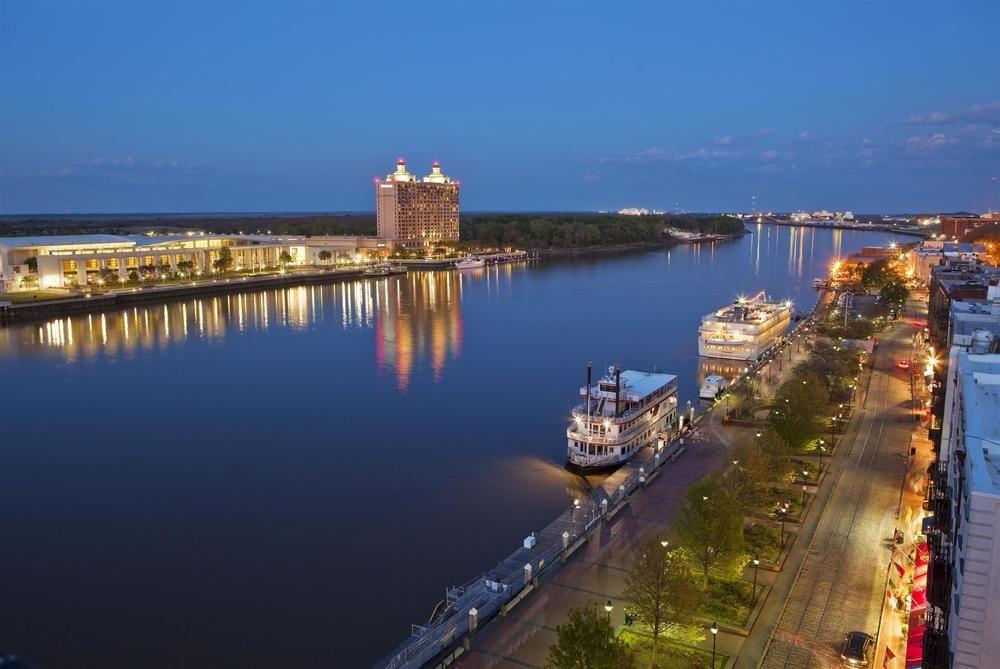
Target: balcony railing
(936,640)
(939,582)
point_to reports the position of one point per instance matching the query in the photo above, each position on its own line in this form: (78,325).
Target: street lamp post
(822,450)
(782,510)
(608,607)
(715,633)
(753,593)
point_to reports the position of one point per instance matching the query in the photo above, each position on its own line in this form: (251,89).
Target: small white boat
(819,283)
(470,263)
(713,385)
(378,270)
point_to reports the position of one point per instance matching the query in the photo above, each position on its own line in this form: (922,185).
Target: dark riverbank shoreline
(633,246)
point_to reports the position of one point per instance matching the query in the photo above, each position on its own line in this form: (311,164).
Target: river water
(292,477)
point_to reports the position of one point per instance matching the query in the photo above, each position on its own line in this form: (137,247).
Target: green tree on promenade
(325,256)
(284,258)
(660,591)
(835,365)
(709,526)
(587,641)
(753,466)
(744,395)
(797,403)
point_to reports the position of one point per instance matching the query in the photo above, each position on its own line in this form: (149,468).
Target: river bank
(632,246)
(87,303)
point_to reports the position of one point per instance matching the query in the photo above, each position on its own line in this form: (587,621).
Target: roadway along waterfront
(311,467)
(841,583)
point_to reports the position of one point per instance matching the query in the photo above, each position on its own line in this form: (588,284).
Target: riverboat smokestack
(618,387)
(588,385)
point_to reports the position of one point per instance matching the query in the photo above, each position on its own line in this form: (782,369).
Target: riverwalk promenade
(835,564)
(507,616)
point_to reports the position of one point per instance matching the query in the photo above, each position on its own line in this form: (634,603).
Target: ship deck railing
(580,411)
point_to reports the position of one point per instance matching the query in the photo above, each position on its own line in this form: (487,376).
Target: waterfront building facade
(964,496)
(417,213)
(48,262)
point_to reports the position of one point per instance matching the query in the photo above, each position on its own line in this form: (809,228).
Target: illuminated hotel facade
(417,213)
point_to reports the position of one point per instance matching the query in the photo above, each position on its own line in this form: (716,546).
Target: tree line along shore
(549,231)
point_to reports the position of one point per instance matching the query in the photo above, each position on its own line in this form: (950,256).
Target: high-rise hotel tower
(417,212)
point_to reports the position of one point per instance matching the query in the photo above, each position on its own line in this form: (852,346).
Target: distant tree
(587,641)
(165,270)
(709,525)
(284,258)
(325,256)
(133,276)
(32,263)
(108,276)
(225,260)
(29,281)
(185,267)
(660,591)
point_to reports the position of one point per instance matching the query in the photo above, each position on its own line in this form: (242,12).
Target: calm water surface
(293,477)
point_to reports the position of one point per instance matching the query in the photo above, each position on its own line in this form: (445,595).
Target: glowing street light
(715,633)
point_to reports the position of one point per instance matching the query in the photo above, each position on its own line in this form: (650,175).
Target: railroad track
(796,642)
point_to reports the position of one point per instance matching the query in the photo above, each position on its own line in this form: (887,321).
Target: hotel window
(149,260)
(164,260)
(111,263)
(92,264)
(132,262)
(69,265)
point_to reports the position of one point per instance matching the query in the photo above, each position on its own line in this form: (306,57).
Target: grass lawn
(763,541)
(34,296)
(796,467)
(670,654)
(768,507)
(727,601)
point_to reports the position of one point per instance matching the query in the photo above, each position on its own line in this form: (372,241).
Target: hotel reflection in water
(414,316)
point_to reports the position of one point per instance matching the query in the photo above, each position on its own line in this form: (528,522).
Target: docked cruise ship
(621,414)
(745,329)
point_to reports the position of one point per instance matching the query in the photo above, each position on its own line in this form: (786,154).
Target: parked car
(903,363)
(857,649)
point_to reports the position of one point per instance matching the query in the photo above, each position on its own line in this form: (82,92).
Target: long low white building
(82,260)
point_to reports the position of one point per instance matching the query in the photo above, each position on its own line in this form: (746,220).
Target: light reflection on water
(272,455)
(413,315)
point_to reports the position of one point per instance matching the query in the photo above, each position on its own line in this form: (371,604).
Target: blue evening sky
(534,104)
